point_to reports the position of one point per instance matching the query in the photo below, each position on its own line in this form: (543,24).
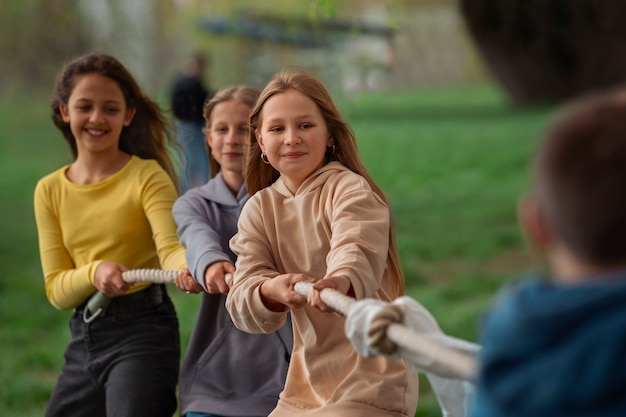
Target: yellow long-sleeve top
(127,219)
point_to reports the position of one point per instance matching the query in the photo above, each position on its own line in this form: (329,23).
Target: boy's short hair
(580,178)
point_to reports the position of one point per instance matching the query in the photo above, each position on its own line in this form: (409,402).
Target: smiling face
(293,135)
(97,112)
(228,134)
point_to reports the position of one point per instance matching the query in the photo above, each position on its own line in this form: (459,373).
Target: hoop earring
(264,159)
(332,150)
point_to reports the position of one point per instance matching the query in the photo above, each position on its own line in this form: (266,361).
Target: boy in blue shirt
(555,345)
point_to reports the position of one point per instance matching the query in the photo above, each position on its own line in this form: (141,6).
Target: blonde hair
(259,175)
(242,93)
(147,136)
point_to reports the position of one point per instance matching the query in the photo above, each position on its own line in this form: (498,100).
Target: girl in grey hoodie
(225,371)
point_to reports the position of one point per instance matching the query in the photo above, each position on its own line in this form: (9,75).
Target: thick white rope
(99,302)
(156,276)
(453,361)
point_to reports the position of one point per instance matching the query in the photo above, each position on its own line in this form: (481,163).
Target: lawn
(453,162)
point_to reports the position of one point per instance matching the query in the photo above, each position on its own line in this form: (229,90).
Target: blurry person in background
(188,95)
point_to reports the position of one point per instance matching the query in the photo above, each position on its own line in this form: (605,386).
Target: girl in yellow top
(107,212)
(315,215)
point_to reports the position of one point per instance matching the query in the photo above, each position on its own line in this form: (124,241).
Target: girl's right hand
(279,294)
(109,281)
(215,277)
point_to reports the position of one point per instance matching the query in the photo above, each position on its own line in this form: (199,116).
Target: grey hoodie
(225,371)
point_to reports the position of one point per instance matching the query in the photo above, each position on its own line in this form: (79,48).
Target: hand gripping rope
(99,302)
(386,331)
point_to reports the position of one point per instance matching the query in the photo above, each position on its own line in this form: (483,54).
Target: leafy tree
(550,50)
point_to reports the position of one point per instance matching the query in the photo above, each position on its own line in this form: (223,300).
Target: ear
(259,139)
(208,138)
(65,114)
(533,222)
(130,113)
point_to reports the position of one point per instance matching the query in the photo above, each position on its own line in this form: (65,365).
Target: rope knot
(377,333)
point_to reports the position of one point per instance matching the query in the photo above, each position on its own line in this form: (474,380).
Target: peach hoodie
(333,225)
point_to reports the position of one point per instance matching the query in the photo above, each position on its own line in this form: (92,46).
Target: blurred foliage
(153,37)
(549,51)
(33,35)
(37,37)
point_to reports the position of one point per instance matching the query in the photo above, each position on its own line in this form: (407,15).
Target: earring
(331,150)
(264,158)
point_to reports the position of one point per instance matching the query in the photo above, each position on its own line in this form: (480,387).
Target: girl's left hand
(340,284)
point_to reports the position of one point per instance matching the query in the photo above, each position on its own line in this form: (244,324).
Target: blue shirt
(550,349)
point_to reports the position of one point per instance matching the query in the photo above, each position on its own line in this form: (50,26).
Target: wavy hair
(147,136)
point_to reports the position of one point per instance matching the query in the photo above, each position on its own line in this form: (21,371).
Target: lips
(96,132)
(293,154)
(232,154)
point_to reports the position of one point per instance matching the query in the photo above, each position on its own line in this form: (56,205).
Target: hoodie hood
(217,191)
(314,181)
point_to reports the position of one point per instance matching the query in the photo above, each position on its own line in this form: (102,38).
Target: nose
(233,137)
(96,116)
(292,137)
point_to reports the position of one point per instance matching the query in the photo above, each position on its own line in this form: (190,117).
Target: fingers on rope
(99,302)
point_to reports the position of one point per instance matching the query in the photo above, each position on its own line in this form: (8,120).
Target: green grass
(452,161)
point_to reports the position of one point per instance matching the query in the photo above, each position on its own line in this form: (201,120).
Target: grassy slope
(452,161)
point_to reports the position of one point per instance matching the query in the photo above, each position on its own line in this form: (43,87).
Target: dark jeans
(124,363)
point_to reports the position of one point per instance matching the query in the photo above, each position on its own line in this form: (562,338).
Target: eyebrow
(300,116)
(106,102)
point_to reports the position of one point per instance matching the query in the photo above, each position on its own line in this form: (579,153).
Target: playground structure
(362,52)
(365,50)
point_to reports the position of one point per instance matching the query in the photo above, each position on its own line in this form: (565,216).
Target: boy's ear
(533,223)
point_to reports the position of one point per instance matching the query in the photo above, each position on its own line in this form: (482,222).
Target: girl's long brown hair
(147,136)
(259,175)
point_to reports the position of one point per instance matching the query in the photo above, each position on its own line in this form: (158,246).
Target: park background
(441,121)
